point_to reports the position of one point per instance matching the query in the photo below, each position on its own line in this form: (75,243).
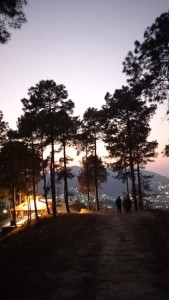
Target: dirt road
(99,256)
(128,263)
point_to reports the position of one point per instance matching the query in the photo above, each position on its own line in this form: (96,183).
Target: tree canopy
(147,66)
(11,16)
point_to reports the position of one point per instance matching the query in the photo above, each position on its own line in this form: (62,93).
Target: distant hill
(114,187)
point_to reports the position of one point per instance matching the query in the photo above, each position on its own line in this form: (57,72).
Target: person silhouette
(128,205)
(118,204)
(124,204)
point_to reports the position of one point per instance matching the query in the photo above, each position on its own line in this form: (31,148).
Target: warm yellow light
(84,211)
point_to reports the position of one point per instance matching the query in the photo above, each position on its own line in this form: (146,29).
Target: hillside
(87,256)
(114,187)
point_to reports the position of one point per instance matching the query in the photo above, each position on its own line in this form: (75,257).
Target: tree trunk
(52,176)
(87,180)
(52,166)
(127,182)
(65,177)
(14,203)
(131,163)
(20,197)
(96,179)
(45,193)
(33,181)
(34,197)
(44,181)
(139,185)
(29,209)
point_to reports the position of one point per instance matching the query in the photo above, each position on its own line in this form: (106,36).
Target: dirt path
(124,261)
(100,256)
(128,267)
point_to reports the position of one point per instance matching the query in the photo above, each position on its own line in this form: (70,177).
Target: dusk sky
(81,44)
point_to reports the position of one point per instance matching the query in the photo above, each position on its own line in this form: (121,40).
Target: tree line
(48,121)
(122,123)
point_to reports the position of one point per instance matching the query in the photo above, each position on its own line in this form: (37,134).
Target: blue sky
(82,45)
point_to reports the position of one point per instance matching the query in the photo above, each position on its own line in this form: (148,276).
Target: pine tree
(126,128)
(11,16)
(66,137)
(48,101)
(87,175)
(91,123)
(147,66)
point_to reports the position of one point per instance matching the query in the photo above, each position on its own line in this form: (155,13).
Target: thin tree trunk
(45,192)
(33,181)
(87,180)
(20,197)
(96,179)
(44,180)
(65,177)
(34,196)
(127,182)
(52,174)
(14,202)
(139,184)
(131,163)
(52,166)
(29,209)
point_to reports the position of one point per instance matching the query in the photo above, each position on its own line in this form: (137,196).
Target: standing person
(124,204)
(128,205)
(118,204)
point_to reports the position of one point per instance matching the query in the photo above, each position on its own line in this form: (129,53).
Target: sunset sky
(81,44)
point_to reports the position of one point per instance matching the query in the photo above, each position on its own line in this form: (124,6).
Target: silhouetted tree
(65,173)
(32,129)
(89,167)
(27,131)
(66,136)
(166,151)
(11,16)
(84,144)
(16,167)
(91,123)
(147,66)
(144,153)
(121,167)
(4,128)
(126,128)
(47,100)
